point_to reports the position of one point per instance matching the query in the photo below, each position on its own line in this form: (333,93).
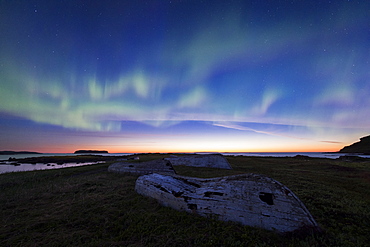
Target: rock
(162,166)
(206,160)
(249,199)
(351,158)
(301,157)
(363,146)
(133,158)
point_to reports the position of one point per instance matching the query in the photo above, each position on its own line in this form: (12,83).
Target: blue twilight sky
(191,75)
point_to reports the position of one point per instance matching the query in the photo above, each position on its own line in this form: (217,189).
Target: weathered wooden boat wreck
(142,168)
(201,160)
(249,199)
(166,165)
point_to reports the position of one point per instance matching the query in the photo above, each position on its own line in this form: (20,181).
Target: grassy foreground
(87,206)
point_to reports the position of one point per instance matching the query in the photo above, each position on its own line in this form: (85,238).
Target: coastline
(329,155)
(14,163)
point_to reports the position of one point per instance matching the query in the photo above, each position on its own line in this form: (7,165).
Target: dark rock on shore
(17,152)
(302,157)
(352,158)
(363,146)
(91,152)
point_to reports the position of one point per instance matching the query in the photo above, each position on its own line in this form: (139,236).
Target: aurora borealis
(178,76)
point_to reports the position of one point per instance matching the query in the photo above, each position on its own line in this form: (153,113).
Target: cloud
(333,142)
(296,132)
(243,128)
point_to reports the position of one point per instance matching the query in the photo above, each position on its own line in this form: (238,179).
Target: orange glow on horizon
(182,144)
(166,149)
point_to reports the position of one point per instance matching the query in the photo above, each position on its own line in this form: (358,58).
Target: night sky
(184,76)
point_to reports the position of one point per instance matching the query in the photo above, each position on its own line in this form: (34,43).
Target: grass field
(87,206)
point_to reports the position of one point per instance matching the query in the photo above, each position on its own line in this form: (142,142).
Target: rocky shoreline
(17,152)
(65,159)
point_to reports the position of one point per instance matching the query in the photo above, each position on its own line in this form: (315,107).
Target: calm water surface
(6,166)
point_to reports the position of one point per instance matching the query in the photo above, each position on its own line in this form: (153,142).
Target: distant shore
(91,152)
(17,152)
(329,155)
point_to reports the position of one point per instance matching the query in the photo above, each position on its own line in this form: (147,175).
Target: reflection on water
(9,167)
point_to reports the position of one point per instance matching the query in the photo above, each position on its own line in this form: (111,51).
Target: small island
(91,152)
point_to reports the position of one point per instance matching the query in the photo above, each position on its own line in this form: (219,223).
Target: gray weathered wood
(249,199)
(201,160)
(142,168)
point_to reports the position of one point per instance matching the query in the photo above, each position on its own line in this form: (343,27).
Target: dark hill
(17,152)
(363,146)
(91,152)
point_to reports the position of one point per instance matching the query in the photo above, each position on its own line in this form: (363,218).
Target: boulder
(351,158)
(250,199)
(142,168)
(205,160)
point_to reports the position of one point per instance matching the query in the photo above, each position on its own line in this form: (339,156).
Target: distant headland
(363,146)
(91,152)
(17,152)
